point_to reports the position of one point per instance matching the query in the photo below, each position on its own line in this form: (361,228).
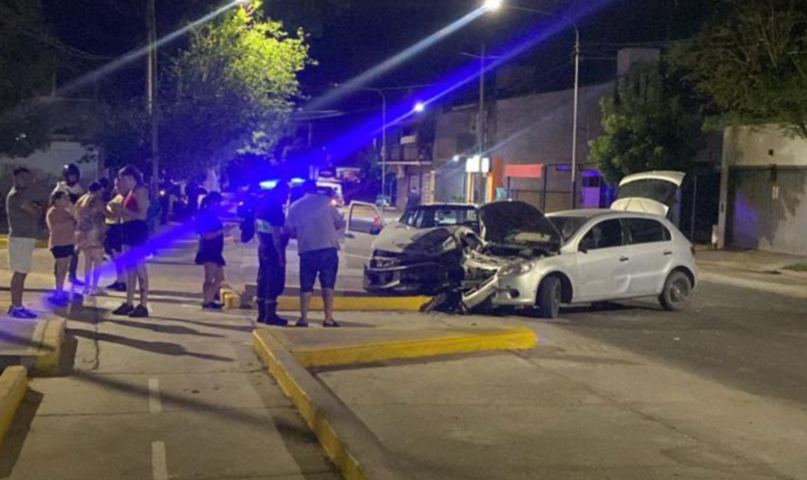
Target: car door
(603,259)
(364,223)
(651,255)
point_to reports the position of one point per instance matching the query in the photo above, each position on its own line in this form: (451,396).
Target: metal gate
(768,210)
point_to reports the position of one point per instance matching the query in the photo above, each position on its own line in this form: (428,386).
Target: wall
(763,191)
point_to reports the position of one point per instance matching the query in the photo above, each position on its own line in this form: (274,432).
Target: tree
(233,88)
(27,67)
(648,125)
(751,61)
(123,134)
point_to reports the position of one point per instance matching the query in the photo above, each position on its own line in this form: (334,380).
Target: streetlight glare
(420,107)
(493,5)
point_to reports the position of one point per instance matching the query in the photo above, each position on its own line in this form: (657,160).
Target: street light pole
(494,5)
(481,125)
(151,89)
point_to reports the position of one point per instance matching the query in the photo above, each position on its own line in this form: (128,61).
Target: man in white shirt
(315,223)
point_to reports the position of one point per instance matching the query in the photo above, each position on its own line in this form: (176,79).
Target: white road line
(155,404)
(159,464)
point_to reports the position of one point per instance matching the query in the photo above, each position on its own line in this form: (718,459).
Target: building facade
(763,191)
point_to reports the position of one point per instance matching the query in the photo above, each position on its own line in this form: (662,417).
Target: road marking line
(155,404)
(159,464)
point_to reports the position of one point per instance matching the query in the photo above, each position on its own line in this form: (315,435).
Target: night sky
(349,36)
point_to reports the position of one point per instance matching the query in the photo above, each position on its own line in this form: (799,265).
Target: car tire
(550,294)
(677,292)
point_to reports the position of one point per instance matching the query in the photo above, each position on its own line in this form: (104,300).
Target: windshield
(518,223)
(568,226)
(431,217)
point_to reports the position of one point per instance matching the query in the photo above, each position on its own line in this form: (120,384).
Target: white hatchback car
(601,255)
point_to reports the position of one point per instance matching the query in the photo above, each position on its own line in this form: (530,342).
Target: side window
(607,234)
(647,231)
(364,219)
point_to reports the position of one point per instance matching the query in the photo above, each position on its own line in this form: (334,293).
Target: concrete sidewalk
(755,261)
(178,395)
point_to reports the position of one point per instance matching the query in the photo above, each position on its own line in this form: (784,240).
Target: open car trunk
(650,192)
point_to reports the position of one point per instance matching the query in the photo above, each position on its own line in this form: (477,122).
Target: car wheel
(549,298)
(677,292)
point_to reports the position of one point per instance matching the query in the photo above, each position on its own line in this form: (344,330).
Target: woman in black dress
(211,249)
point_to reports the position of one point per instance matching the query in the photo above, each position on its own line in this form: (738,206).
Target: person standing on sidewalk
(71,185)
(61,241)
(211,248)
(270,223)
(23,215)
(91,215)
(113,241)
(315,222)
(133,213)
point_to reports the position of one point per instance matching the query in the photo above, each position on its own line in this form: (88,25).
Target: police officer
(269,223)
(71,186)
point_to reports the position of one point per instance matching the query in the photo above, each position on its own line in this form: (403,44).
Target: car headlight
(517,268)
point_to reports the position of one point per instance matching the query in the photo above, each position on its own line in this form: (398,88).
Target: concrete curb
(39,243)
(230,298)
(13,385)
(50,350)
(518,338)
(340,432)
(358,304)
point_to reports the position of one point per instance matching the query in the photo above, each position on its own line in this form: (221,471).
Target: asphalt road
(744,338)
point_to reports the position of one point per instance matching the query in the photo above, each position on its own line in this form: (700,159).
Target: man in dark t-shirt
(269,222)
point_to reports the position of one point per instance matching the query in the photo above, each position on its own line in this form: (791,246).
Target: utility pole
(481,126)
(151,89)
(576,112)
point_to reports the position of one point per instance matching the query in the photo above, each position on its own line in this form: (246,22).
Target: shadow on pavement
(161,348)
(18,432)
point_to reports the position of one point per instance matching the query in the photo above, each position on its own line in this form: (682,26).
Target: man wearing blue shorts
(315,223)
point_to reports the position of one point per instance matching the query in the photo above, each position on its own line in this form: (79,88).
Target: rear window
(647,231)
(441,217)
(659,190)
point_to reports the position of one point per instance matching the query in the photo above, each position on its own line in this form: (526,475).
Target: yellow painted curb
(50,350)
(39,243)
(13,385)
(358,304)
(321,426)
(230,298)
(519,338)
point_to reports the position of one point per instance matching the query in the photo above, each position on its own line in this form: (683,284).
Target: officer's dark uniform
(271,275)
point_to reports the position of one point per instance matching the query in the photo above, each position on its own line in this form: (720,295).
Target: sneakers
(21,313)
(139,312)
(330,324)
(59,299)
(124,310)
(301,323)
(212,306)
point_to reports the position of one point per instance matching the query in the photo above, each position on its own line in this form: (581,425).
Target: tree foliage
(648,125)
(233,87)
(751,61)
(27,67)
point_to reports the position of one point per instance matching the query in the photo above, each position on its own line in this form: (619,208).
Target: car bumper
(427,278)
(515,292)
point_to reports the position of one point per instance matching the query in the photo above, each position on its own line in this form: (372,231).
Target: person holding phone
(23,224)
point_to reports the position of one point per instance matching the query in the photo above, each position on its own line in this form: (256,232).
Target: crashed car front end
(425,263)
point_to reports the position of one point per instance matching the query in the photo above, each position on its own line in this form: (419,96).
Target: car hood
(506,222)
(650,192)
(401,238)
